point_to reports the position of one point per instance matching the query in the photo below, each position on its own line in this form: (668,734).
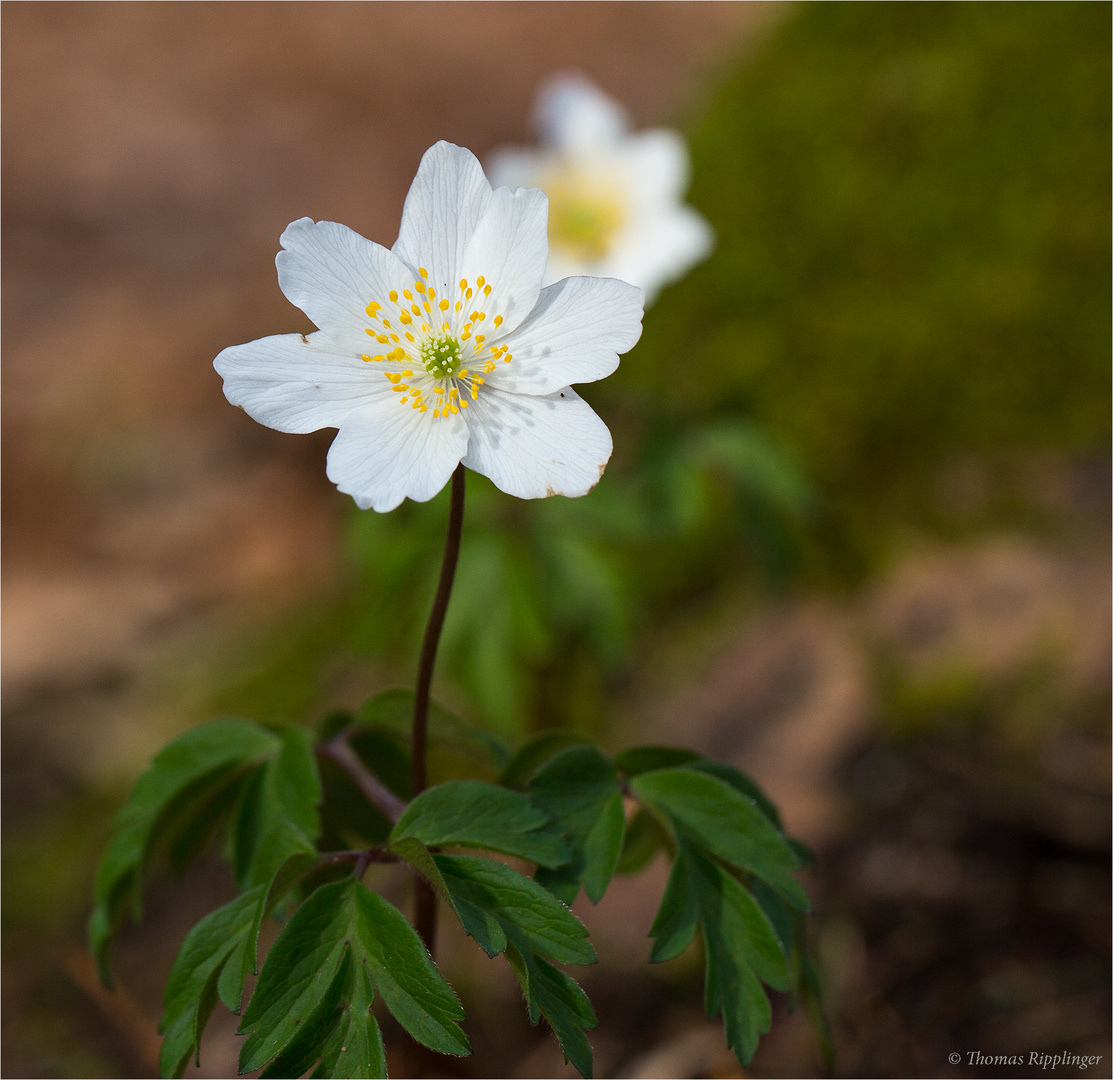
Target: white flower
(614,198)
(443,349)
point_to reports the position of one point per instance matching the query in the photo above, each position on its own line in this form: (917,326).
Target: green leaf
(741,948)
(644,838)
(483,890)
(578,788)
(474,814)
(677,917)
(506,912)
(356,1045)
(531,755)
(639,759)
(603,846)
(725,822)
(394,711)
(549,992)
(285,854)
(285,791)
(742,783)
(299,980)
(191,990)
(177,787)
(219,952)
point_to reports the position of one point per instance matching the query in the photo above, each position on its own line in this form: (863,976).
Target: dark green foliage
(498,905)
(731,879)
(310,1011)
(192,989)
(708,812)
(340,943)
(164,808)
(532,754)
(506,912)
(473,814)
(578,788)
(285,792)
(549,992)
(741,948)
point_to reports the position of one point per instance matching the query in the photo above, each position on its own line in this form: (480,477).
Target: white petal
(574,116)
(514,167)
(297,384)
(661,249)
(573,335)
(509,249)
(532,447)
(387,452)
(658,166)
(445,203)
(332,273)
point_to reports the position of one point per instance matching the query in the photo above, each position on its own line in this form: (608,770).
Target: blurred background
(854,538)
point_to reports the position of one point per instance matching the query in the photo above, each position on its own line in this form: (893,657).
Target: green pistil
(441,356)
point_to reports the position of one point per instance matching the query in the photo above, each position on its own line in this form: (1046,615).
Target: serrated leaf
(471,813)
(306,1048)
(296,984)
(219,952)
(531,755)
(549,992)
(285,791)
(191,989)
(577,788)
(284,855)
(356,1045)
(394,711)
(639,759)
(522,909)
(725,822)
(179,782)
(741,947)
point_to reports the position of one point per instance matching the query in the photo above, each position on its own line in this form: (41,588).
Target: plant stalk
(425,901)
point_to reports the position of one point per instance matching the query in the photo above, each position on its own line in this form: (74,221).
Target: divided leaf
(471,813)
(742,949)
(712,814)
(549,992)
(220,951)
(191,991)
(343,943)
(285,792)
(496,904)
(578,788)
(169,798)
(506,912)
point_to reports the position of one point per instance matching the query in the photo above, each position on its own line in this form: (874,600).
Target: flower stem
(425,901)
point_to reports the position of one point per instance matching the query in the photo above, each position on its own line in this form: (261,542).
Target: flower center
(585,212)
(441,356)
(442,338)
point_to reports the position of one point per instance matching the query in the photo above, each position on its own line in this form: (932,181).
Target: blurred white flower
(444,349)
(615,204)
